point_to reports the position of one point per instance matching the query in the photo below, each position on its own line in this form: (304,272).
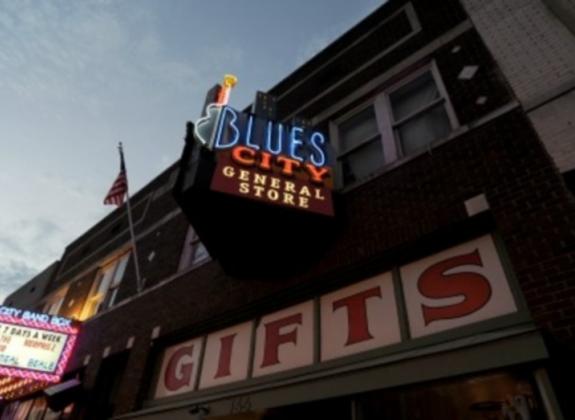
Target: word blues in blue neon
(231,128)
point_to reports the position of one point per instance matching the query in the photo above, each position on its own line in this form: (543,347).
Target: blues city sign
(266,160)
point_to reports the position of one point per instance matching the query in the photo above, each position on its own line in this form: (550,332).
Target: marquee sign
(460,286)
(266,160)
(33,345)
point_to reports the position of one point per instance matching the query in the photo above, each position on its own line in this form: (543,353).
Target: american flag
(120,186)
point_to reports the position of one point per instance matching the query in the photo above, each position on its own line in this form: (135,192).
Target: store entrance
(493,396)
(241,416)
(334,409)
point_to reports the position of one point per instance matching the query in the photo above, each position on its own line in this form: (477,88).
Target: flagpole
(131,223)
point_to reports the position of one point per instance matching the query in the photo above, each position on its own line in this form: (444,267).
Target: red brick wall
(392,219)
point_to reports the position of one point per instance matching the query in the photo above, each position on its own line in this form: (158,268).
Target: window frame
(390,142)
(188,256)
(387,113)
(342,152)
(105,299)
(364,141)
(55,301)
(114,286)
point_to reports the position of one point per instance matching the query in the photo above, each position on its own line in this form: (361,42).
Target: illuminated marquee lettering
(249,132)
(238,129)
(34,345)
(274,188)
(246,156)
(317,143)
(227,125)
(266,160)
(275,179)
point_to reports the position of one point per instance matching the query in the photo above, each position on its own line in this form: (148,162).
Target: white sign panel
(358,318)
(460,286)
(226,357)
(284,340)
(179,368)
(30,348)
(33,345)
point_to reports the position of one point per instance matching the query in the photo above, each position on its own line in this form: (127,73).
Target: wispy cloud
(78,76)
(66,64)
(40,214)
(13,273)
(25,246)
(328,34)
(79,50)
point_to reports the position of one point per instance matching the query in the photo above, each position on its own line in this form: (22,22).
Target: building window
(401,121)
(361,150)
(54,303)
(194,251)
(419,114)
(106,286)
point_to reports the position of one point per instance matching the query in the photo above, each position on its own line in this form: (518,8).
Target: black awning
(61,395)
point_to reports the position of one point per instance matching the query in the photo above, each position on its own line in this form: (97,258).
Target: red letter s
(434,284)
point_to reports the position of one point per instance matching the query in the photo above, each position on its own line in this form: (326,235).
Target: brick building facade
(451,124)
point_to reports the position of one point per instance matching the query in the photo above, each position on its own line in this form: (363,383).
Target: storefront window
(499,396)
(496,396)
(34,410)
(335,409)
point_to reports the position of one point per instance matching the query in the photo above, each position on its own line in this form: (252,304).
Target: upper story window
(53,303)
(194,251)
(106,285)
(361,149)
(401,121)
(419,114)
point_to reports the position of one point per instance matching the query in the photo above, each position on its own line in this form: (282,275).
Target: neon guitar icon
(204,128)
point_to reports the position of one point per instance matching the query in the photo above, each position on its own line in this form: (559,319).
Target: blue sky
(77,76)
